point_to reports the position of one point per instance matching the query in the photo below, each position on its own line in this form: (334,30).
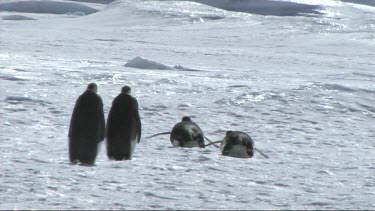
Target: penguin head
(93,87)
(186,118)
(126,90)
(232,138)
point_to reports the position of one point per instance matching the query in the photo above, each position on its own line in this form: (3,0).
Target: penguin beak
(250,152)
(226,149)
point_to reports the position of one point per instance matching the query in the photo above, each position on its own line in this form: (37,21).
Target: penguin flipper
(264,155)
(158,134)
(213,143)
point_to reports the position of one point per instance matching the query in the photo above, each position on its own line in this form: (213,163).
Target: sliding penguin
(237,144)
(185,134)
(123,129)
(87,127)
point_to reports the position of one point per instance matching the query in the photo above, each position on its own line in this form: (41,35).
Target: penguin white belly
(175,143)
(133,143)
(188,144)
(191,144)
(238,151)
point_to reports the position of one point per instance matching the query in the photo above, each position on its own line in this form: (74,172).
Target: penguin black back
(123,126)
(87,127)
(187,134)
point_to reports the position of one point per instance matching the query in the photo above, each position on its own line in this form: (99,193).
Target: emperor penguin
(185,134)
(87,127)
(237,144)
(123,130)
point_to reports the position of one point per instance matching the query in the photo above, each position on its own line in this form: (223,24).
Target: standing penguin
(87,127)
(123,126)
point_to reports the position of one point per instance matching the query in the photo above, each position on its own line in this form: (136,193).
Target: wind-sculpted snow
(95,1)
(53,7)
(142,63)
(16,17)
(18,100)
(179,10)
(11,78)
(364,2)
(265,7)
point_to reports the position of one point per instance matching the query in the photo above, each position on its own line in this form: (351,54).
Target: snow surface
(300,84)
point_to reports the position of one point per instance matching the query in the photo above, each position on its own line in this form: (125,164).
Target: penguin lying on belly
(237,144)
(185,134)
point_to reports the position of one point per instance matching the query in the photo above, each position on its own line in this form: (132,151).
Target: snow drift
(16,17)
(53,7)
(143,63)
(265,7)
(364,2)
